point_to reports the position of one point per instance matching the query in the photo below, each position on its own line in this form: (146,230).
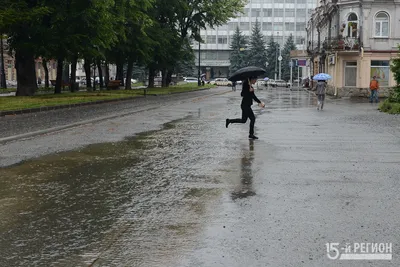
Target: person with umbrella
(247,101)
(321,88)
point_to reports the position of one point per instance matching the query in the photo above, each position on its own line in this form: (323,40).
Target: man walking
(374,86)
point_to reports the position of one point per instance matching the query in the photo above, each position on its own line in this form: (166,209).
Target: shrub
(394,96)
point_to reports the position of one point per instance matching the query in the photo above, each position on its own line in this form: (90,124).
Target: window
(289,12)
(211,55)
(278,26)
(244,26)
(350,72)
(278,12)
(267,26)
(267,12)
(255,12)
(301,13)
(222,39)
(301,1)
(233,26)
(211,39)
(290,1)
(300,26)
(380,69)
(223,55)
(352,25)
(223,27)
(289,26)
(381,24)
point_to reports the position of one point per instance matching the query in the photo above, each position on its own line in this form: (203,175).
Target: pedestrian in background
(247,101)
(321,89)
(374,86)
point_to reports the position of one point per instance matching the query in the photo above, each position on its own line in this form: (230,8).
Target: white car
(191,80)
(221,82)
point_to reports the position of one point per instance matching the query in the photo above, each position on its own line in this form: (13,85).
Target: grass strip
(11,103)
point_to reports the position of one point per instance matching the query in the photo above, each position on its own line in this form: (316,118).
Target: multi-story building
(354,41)
(277,18)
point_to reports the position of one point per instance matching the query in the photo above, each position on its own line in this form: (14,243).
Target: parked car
(190,80)
(261,84)
(221,82)
(271,83)
(279,83)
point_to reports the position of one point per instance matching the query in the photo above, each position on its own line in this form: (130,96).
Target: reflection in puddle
(246,177)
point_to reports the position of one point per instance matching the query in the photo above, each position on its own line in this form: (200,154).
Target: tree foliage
(238,57)
(128,33)
(257,50)
(395,68)
(272,58)
(289,46)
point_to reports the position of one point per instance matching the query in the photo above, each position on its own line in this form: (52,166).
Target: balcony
(342,44)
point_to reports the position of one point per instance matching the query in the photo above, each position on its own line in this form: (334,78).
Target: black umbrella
(245,73)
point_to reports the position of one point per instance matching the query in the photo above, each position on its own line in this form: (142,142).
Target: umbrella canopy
(322,76)
(245,73)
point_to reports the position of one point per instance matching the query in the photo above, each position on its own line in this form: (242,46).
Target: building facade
(277,18)
(354,41)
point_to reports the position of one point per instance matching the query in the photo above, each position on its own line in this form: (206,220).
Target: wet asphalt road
(171,186)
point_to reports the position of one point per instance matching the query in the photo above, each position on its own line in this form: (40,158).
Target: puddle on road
(138,202)
(75,207)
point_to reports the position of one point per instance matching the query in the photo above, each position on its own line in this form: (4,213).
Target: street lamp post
(280,62)
(276,62)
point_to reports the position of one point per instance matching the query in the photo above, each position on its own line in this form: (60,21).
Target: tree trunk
(46,73)
(128,84)
(169,77)
(164,77)
(107,74)
(60,65)
(151,77)
(120,72)
(72,80)
(86,66)
(100,70)
(26,75)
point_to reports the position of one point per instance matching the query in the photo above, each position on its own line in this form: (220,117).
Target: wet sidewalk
(173,187)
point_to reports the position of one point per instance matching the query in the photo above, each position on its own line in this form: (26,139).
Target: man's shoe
(227,123)
(252,136)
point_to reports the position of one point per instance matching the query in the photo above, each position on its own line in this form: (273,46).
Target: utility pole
(276,62)
(3,82)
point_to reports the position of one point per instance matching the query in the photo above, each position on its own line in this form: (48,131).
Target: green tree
(18,20)
(257,48)
(187,17)
(289,46)
(272,58)
(238,57)
(395,68)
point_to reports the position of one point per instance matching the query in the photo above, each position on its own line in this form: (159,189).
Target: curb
(77,124)
(64,127)
(34,110)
